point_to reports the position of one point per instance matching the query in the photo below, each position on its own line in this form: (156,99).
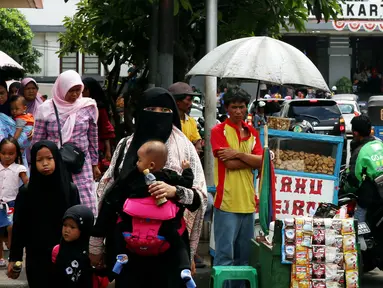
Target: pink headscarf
(31,105)
(64,82)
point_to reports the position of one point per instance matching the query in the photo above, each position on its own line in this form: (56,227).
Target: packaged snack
(299,224)
(307,240)
(318,223)
(349,243)
(331,253)
(330,237)
(301,258)
(352,279)
(339,243)
(319,254)
(318,271)
(294,284)
(289,223)
(298,237)
(333,284)
(332,272)
(339,261)
(290,235)
(308,225)
(304,284)
(351,260)
(289,252)
(348,226)
(319,236)
(301,272)
(337,226)
(327,223)
(319,283)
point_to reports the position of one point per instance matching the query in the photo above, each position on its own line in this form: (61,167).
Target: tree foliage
(119,30)
(16,39)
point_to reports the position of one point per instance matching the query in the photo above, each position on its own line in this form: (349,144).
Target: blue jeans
(232,235)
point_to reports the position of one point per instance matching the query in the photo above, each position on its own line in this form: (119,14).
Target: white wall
(53,13)
(49,62)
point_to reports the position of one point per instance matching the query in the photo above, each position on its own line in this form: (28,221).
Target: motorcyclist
(366,164)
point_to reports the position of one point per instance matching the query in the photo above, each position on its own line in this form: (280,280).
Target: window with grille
(69,62)
(91,65)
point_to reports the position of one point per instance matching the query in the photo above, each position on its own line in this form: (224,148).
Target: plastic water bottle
(122,259)
(187,278)
(150,179)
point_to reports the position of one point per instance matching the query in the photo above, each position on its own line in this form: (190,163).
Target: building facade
(340,48)
(47,25)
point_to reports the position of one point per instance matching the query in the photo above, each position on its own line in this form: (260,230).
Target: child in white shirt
(10,174)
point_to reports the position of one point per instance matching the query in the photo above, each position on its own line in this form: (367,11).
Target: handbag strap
(58,122)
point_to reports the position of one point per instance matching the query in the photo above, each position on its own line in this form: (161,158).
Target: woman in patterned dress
(78,121)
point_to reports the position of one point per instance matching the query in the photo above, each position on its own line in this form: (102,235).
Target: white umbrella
(9,68)
(263,59)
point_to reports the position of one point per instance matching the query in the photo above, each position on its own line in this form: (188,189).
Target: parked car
(323,114)
(345,97)
(349,110)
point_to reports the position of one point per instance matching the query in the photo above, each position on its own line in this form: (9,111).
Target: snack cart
(307,170)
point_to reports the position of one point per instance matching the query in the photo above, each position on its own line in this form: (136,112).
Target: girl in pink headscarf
(29,89)
(78,120)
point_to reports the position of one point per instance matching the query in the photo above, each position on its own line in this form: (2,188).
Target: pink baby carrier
(147,218)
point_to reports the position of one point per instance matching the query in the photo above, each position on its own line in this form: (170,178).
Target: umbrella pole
(266,136)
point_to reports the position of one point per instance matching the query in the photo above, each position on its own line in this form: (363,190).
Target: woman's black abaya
(140,272)
(37,220)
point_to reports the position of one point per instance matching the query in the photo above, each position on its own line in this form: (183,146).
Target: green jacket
(366,161)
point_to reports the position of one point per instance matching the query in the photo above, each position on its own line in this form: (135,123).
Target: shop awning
(36,4)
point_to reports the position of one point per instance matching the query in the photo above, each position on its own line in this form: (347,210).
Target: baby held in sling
(151,225)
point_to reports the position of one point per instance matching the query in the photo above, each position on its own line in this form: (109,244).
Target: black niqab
(72,262)
(151,125)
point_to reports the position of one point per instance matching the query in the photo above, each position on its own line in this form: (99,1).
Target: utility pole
(210,89)
(153,49)
(165,45)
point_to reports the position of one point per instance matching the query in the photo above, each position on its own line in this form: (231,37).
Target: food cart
(307,170)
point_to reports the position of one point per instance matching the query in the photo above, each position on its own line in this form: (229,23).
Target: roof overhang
(36,4)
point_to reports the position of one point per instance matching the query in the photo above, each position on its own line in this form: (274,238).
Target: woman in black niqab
(37,219)
(151,123)
(156,116)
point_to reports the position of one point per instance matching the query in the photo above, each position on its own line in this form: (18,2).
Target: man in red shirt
(237,150)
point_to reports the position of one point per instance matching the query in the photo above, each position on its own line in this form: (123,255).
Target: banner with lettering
(297,196)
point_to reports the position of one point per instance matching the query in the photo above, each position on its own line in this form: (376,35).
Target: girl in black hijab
(157,114)
(39,209)
(71,257)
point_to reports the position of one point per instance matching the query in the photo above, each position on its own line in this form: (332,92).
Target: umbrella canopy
(263,59)
(9,68)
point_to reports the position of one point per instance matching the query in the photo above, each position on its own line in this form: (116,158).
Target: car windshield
(320,110)
(346,108)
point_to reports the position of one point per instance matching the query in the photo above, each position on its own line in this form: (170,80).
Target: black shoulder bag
(72,156)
